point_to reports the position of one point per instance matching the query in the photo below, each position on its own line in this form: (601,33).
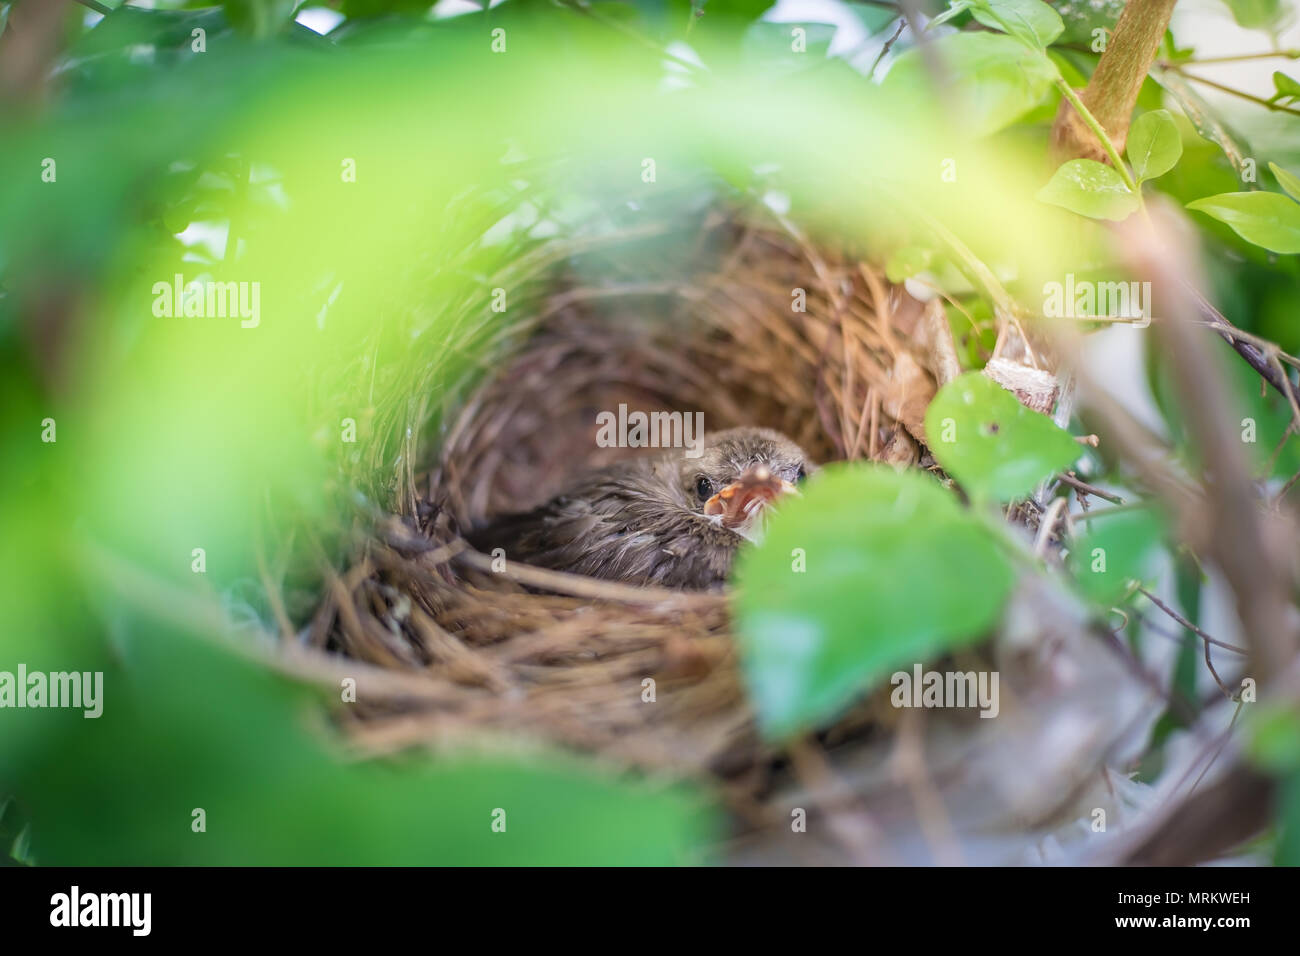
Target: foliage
(887,571)
(223,158)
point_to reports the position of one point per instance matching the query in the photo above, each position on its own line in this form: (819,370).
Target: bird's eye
(800,475)
(704,488)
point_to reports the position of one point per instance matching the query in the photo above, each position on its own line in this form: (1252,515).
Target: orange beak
(741,500)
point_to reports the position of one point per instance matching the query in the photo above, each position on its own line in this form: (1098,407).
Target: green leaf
(1115,552)
(872,18)
(1288,181)
(1154,146)
(1256,14)
(1270,220)
(1209,125)
(1030,21)
(994,446)
(772,46)
(259,18)
(996,79)
(379,8)
(896,572)
(1273,741)
(955,9)
(1288,839)
(1091,189)
(1083,19)
(1287,88)
(187,723)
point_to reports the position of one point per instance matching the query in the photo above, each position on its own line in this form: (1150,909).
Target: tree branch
(1113,90)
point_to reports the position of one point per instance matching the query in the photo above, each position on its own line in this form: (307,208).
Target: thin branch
(1189,625)
(1235,58)
(1249,97)
(1290,483)
(1245,344)
(884,51)
(1086,489)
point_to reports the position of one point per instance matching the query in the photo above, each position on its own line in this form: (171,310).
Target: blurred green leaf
(379,8)
(1206,119)
(955,9)
(1115,552)
(1030,21)
(259,18)
(990,443)
(1091,189)
(1256,14)
(1270,220)
(873,18)
(776,46)
(1288,840)
(187,725)
(1287,88)
(1288,181)
(1154,146)
(896,572)
(996,78)
(1082,19)
(1273,740)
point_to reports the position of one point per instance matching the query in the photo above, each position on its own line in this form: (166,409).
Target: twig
(1236,58)
(1245,344)
(884,51)
(1232,522)
(1086,489)
(1046,525)
(908,761)
(1189,625)
(579,586)
(1222,743)
(846,812)
(1249,97)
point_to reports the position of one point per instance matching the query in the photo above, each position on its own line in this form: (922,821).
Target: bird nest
(757,325)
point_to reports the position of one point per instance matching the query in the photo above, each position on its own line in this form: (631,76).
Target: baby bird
(662,519)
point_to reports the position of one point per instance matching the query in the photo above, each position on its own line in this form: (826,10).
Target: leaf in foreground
(1091,189)
(990,443)
(1115,552)
(996,78)
(1030,21)
(1288,181)
(868,572)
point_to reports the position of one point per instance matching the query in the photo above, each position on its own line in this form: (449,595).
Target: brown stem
(1113,90)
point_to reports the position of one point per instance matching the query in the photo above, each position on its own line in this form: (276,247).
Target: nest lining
(537,655)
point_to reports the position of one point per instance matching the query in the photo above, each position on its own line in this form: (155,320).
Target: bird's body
(662,519)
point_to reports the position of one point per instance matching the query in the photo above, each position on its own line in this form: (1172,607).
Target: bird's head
(741,474)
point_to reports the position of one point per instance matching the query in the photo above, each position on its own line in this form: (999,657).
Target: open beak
(741,501)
